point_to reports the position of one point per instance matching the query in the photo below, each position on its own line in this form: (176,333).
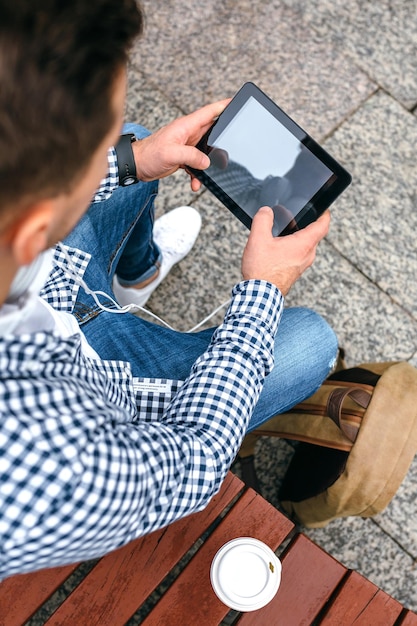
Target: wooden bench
(164,578)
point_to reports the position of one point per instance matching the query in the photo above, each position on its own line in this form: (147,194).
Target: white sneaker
(175,234)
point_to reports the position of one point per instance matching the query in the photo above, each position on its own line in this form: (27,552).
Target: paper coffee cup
(245,574)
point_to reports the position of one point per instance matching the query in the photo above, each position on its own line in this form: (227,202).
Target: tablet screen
(259,156)
(248,174)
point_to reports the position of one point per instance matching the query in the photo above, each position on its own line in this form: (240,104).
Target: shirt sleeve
(96,475)
(208,417)
(111,181)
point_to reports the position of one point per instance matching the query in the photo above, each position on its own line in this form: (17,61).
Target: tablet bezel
(321,200)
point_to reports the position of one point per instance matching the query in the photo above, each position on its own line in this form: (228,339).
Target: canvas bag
(358,437)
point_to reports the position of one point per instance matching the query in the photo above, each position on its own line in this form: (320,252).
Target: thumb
(262,222)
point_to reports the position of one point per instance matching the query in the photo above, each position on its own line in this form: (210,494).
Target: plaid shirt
(91,458)
(108,184)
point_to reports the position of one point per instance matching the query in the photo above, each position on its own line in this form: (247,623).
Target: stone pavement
(345,70)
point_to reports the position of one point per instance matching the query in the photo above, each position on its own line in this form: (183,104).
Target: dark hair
(58,63)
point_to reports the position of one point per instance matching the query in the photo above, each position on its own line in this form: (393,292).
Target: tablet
(260,156)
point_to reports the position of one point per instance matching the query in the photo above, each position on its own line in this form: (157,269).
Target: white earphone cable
(129,308)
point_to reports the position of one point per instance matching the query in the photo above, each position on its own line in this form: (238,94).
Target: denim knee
(305,353)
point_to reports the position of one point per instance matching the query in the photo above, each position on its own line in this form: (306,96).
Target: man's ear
(30,233)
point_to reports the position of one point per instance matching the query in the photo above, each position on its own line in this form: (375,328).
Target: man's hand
(173,146)
(281,260)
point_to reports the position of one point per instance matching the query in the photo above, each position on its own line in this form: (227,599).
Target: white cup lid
(245,574)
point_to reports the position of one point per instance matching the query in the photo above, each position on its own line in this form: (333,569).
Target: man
(110,426)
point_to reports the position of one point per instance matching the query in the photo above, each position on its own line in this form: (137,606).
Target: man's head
(60,61)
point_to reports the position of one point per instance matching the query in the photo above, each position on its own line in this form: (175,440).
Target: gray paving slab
(146,104)
(399,519)
(374,224)
(369,325)
(380,36)
(215,47)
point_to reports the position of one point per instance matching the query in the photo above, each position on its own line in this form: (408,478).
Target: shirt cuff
(253,318)
(111,181)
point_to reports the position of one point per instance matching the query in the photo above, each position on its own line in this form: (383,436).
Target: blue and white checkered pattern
(91,458)
(108,184)
(61,290)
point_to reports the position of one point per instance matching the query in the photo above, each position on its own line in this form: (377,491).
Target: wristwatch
(126,160)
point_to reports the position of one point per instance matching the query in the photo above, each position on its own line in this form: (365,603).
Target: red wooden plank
(408,619)
(122,580)
(22,595)
(192,594)
(359,601)
(381,611)
(309,577)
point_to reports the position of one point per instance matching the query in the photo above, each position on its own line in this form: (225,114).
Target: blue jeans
(118,235)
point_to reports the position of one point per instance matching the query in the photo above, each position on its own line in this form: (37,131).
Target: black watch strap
(125,160)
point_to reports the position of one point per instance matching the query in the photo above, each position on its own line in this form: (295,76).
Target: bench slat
(408,619)
(359,601)
(192,594)
(122,580)
(309,577)
(381,611)
(22,595)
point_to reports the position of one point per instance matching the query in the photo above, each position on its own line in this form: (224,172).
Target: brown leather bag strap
(335,405)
